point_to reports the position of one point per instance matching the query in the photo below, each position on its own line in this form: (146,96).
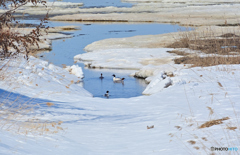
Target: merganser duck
(106,95)
(101,77)
(117,79)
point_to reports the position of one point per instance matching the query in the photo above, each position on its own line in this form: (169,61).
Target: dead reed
(216,49)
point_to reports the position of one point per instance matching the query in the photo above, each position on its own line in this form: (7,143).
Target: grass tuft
(213,122)
(192,142)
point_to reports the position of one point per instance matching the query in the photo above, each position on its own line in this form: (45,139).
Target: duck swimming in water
(117,79)
(101,77)
(106,95)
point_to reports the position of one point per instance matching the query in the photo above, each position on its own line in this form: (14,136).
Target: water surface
(99,3)
(63,51)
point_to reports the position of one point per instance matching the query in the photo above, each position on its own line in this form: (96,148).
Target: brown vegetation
(11,42)
(49,104)
(150,127)
(224,49)
(207,61)
(192,142)
(213,122)
(231,128)
(225,44)
(182,53)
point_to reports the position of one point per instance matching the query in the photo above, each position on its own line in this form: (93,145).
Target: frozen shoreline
(100,126)
(185,13)
(39,79)
(178,104)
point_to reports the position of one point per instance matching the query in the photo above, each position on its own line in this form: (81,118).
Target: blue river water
(63,51)
(99,3)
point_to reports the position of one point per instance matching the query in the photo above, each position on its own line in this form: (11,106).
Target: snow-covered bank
(197,13)
(155,64)
(166,122)
(178,105)
(49,7)
(119,126)
(141,41)
(129,58)
(37,78)
(161,40)
(53,33)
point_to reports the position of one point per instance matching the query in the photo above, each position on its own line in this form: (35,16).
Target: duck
(117,79)
(101,77)
(106,95)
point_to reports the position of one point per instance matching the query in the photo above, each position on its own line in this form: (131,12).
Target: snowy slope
(37,78)
(119,126)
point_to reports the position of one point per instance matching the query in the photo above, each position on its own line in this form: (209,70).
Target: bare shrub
(11,42)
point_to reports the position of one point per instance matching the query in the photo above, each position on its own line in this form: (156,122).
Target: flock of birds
(115,79)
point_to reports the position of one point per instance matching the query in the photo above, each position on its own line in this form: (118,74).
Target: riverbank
(184,13)
(188,110)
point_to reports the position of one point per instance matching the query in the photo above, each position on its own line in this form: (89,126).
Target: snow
(141,41)
(45,39)
(190,13)
(162,40)
(157,84)
(50,8)
(176,106)
(55,4)
(63,118)
(76,70)
(40,78)
(130,58)
(119,126)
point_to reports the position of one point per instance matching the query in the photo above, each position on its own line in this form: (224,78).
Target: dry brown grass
(182,53)
(231,128)
(224,44)
(207,61)
(223,49)
(192,142)
(210,111)
(49,104)
(178,127)
(213,122)
(18,116)
(150,127)
(204,138)
(38,127)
